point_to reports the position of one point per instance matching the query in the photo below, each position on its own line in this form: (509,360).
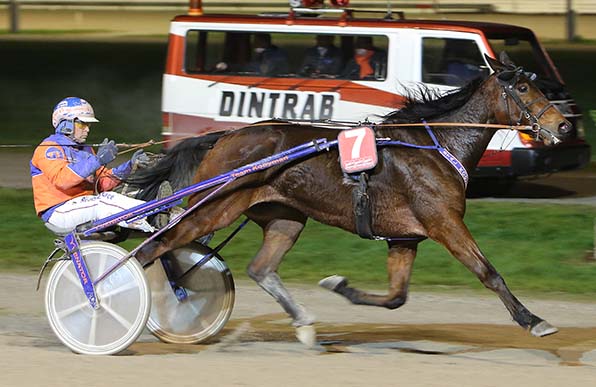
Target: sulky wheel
(193,308)
(124,301)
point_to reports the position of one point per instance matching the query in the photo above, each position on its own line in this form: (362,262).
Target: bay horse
(415,194)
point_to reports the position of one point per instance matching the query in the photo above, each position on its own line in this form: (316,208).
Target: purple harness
(442,151)
(278,159)
(219,182)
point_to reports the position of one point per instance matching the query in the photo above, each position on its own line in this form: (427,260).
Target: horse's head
(524,104)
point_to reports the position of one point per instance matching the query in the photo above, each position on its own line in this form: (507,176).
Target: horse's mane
(427,103)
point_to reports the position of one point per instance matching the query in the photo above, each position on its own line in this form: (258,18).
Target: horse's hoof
(543,329)
(333,282)
(307,335)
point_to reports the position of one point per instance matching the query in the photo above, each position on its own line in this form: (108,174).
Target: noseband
(507,84)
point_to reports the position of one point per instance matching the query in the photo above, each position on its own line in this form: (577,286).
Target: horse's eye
(523,88)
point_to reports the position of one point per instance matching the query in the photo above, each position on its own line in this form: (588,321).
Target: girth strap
(363,214)
(362,208)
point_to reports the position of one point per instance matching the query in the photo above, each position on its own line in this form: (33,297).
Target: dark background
(122,80)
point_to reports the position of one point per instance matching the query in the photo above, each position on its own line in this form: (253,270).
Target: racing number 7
(357,146)
(357,149)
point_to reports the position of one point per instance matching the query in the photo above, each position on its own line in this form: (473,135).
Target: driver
(65,172)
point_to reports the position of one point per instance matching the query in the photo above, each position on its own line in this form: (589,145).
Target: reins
(322,124)
(134,147)
(130,147)
(338,124)
(329,124)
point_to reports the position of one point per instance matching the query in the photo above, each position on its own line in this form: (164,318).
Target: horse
(414,194)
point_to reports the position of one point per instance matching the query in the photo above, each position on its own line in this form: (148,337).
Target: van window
(451,62)
(287,55)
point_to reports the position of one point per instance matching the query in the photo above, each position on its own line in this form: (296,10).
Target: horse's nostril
(565,127)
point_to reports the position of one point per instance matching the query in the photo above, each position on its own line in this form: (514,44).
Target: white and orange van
(211,83)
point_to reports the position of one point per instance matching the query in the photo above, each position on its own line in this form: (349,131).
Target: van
(225,71)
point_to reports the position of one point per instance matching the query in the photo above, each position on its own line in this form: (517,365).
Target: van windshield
(288,55)
(524,51)
(454,62)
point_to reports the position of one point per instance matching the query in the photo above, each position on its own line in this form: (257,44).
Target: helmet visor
(87,119)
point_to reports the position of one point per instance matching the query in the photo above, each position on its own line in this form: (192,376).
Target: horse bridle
(507,80)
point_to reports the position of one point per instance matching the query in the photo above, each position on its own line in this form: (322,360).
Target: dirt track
(435,340)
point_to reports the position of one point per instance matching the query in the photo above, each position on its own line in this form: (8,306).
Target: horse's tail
(177,166)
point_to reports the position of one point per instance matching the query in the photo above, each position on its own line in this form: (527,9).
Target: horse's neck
(468,143)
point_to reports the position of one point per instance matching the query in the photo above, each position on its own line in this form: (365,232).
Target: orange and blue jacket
(62,170)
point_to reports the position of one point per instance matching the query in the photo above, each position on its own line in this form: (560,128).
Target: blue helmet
(68,110)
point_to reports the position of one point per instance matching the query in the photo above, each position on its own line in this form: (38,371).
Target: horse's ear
(504,58)
(494,64)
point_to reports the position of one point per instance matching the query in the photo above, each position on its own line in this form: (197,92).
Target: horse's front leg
(455,236)
(399,268)
(279,236)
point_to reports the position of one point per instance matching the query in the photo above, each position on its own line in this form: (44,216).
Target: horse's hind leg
(455,236)
(279,237)
(211,217)
(399,268)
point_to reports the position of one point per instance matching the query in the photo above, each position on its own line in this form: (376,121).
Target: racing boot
(163,218)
